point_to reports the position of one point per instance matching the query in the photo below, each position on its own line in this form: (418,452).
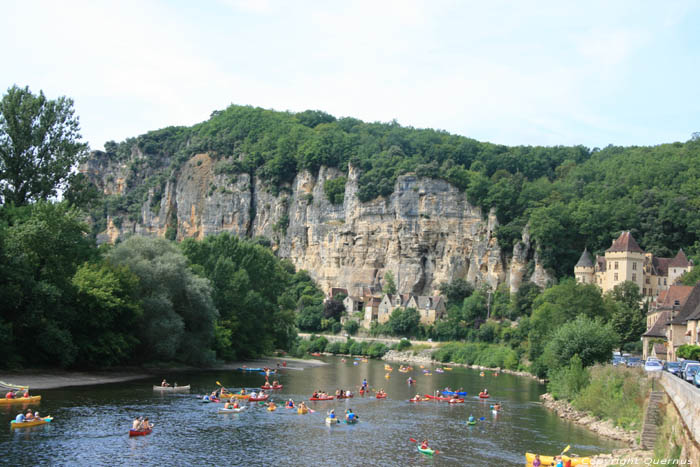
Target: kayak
(207,400)
(140,432)
(418,400)
(20,400)
(455,401)
(473,422)
(332,421)
(381,396)
(301,411)
(328,398)
(315,354)
(272,408)
(279,386)
(455,393)
(549,460)
(427,452)
(239,396)
(447,368)
(344,397)
(439,370)
(352,421)
(171,388)
(258,399)
(438,398)
(40,421)
(236,410)
(483,395)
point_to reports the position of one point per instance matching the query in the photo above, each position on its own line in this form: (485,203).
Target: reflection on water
(91,424)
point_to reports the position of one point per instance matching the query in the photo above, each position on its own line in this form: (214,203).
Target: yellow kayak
(237,396)
(272,408)
(301,411)
(20,400)
(36,422)
(549,460)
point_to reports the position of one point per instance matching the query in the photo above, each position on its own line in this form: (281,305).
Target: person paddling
(472,419)
(424,445)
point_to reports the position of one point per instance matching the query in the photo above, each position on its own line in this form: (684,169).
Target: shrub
(689,352)
(352,326)
(403,345)
(566,382)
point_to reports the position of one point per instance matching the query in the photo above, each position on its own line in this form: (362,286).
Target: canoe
(437,398)
(315,354)
(329,398)
(279,386)
(238,396)
(206,401)
(171,388)
(239,409)
(40,421)
(388,368)
(140,432)
(301,411)
(332,421)
(427,452)
(455,401)
(455,393)
(484,396)
(20,400)
(549,460)
(439,370)
(258,399)
(473,422)
(446,368)
(381,396)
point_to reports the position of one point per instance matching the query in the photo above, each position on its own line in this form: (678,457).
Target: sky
(527,72)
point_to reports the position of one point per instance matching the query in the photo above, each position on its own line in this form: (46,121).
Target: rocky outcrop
(425,232)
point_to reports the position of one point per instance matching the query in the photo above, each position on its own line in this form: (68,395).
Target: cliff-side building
(626,261)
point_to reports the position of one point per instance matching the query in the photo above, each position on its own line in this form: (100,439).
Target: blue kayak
(455,393)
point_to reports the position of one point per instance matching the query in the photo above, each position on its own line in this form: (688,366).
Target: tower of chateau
(584,269)
(625,262)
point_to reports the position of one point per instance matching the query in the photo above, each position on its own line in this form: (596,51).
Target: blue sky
(592,73)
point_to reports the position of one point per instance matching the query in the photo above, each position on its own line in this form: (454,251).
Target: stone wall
(685,406)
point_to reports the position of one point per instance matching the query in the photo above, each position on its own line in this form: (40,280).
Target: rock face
(425,232)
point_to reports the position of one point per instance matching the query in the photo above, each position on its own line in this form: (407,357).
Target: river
(91,423)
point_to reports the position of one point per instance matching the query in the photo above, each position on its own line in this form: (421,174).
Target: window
(664,281)
(634,276)
(634,266)
(659,281)
(647,280)
(615,264)
(615,278)
(644,291)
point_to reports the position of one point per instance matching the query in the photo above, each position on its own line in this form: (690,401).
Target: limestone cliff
(425,232)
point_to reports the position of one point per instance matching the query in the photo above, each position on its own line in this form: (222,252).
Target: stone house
(626,261)
(430,308)
(661,312)
(385,308)
(353,304)
(371,310)
(335,292)
(681,327)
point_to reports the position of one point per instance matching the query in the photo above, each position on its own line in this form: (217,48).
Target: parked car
(634,361)
(672,367)
(696,379)
(690,370)
(618,360)
(653,365)
(685,363)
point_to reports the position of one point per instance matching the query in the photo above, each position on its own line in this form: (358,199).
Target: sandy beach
(50,379)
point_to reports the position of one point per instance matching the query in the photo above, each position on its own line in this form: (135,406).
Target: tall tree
(39,145)
(389,283)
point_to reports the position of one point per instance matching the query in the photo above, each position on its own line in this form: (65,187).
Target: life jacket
(9,395)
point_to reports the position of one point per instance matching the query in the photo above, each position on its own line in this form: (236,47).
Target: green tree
(692,277)
(591,340)
(179,315)
(404,322)
(389,283)
(333,309)
(627,317)
(39,145)
(456,291)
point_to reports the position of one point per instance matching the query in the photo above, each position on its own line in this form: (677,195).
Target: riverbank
(51,379)
(603,427)
(424,357)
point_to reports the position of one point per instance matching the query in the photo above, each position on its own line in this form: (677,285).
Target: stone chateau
(626,261)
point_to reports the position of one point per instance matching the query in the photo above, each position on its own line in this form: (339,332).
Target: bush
(568,381)
(355,349)
(689,352)
(352,326)
(377,350)
(333,347)
(336,327)
(472,353)
(403,345)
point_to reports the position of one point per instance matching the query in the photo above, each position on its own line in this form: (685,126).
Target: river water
(91,423)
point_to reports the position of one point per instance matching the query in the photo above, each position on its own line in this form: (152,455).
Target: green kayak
(427,452)
(473,422)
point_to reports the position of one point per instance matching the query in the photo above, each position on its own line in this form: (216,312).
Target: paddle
(566,449)
(435,451)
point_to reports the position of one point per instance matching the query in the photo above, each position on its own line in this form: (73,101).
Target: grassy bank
(474,353)
(609,392)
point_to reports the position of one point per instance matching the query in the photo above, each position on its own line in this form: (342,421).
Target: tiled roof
(660,266)
(337,290)
(625,242)
(659,327)
(585,261)
(690,307)
(676,295)
(680,261)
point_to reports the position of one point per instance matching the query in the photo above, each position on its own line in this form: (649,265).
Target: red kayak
(279,386)
(438,398)
(483,395)
(328,398)
(381,396)
(455,401)
(258,399)
(140,432)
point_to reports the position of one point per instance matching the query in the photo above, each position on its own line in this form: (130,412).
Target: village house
(430,308)
(353,304)
(661,312)
(626,261)
(682,326)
